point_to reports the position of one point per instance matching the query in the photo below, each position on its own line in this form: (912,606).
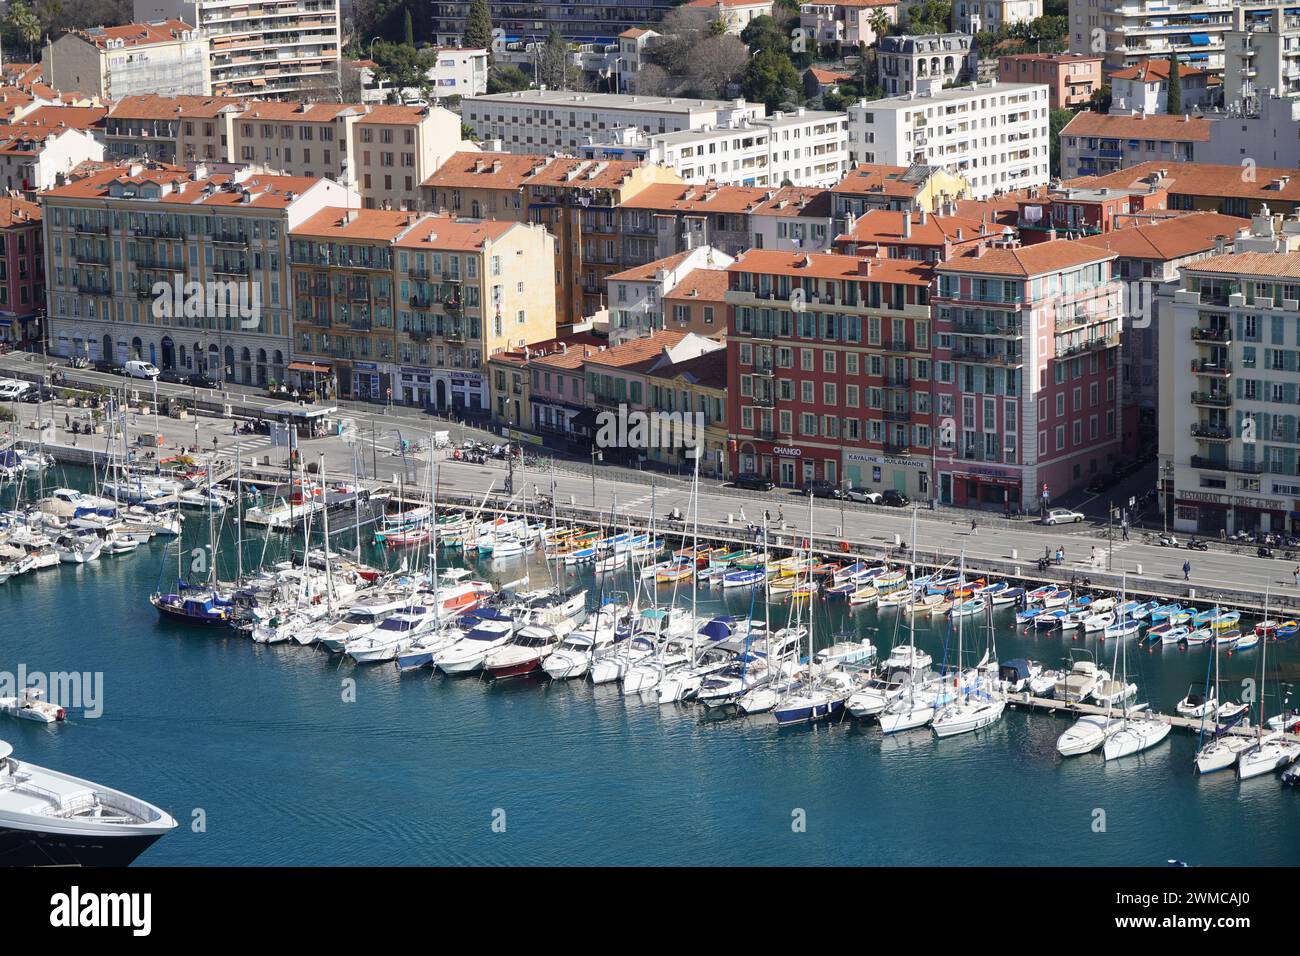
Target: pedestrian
(67,421)
(1187,570)
(767,516)
(973,528)
(1094,555)
(1295,575)
(780,515)
(742,513)
(1123,529)
(1060,556)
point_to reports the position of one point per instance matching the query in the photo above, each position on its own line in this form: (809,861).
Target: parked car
(202,380)
(13,390)
(863,496)
(895,499)
(1062,516)
(821,489)
(171,375)
(752,482)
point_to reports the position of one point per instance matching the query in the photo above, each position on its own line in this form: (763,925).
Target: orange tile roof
(830,266)
(282,112)
(354,225)
(446,232)
(466,170)
(573,355)
(634,352)
(536,351)
(1152,70)
(708,370)
(587,173)
(875,179)
(29,139)
(1181,129)
(1276,264)
(647,270)
(829,76)
(152,106)
(701,285)
(74,117)
(16,212)
(1169,239)
(709,197)
(1201,179)
(136,34)
(394,116)
(886,226)
(633,32)
(266,191)
(1035,260)
(795,201)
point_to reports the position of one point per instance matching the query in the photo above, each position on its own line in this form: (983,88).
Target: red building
(22,272)
(828,370)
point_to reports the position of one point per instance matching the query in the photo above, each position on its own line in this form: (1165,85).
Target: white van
(140,370)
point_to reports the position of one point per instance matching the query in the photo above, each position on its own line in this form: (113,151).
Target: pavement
(370,444)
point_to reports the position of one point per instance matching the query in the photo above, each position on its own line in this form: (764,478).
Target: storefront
(415,386)
(875,472)
(790,466)
(980,486)
(369,384)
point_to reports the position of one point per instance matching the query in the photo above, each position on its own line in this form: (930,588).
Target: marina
(424,721)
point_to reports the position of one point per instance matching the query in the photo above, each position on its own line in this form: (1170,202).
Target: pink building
(22,272)
(1027,373)
(1071,78)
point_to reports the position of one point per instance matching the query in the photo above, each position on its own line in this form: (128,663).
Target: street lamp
(595,457)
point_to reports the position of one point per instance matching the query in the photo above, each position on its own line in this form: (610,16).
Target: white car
(863,496)
(1062,516)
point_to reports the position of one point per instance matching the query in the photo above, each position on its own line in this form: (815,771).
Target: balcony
(764,400)
(455,336)
(760,332)
(84,230)
(980,357)
(896,447)
(1214,369)
(765,434)
(985,328)
(142,264)
(898,414)
(1227,464)
(897,345)
(230,238)
(421,302)
(1219,336)
(607,401)
(230,268)
(453,307)
(92,259)
(1212,399)
(95,288)
(765,370)
(1209,432)
(898,381)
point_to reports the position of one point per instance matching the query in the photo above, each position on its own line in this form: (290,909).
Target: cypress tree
(408,28)
(1175,98)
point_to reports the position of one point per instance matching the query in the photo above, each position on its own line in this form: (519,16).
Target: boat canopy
(717,629)
(1014,670)
(654,614)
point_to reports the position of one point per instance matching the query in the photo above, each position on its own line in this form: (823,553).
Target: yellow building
(699,386)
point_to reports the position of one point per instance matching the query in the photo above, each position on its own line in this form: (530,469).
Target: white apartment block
(167,57)
(1261,57)
(34,156)
(1230,386)
(1132,31)
(974,16)
(911,63)
(802,148)
(457,71)
(545,121)
(261,48)
(994,135)
(113,236)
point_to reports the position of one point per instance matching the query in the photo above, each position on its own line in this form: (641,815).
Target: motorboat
(871,698)
(1079,683)
(574,655)
(360,619)
(28,705)
(49,818)
(1196,704)
(523,654)
(485,632)
(861,652)
(906,657)
(394,634)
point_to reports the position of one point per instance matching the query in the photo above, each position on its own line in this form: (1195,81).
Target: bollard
(1191,592)
(730,518)
(1015,554)
(898,540)
(1139,570)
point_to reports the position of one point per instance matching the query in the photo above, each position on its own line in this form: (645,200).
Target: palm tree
(878,20)
(25,24)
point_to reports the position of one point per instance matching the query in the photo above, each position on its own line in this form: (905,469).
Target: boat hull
(24,847)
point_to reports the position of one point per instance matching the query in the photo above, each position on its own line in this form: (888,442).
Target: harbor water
(283,755)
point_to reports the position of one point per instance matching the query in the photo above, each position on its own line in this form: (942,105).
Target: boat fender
(844,546)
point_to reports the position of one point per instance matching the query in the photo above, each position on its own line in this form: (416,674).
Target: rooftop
(15,212)
(708,370)
(949,94)
(1169,238)
(873,179)
(822,265)
(1276,264)
(136,34)
(447,232)
(1026,261)
(647,271)
(490,170)
(608,101)
(1269,183)
(1153,70)
(642,351)
(707,285)
(364,225)
(1159,126)
(177,184)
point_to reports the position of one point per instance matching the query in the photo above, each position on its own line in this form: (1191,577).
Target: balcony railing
(898,414)
(1211,432)
(1221,336)
(764,400)
(893,447)
(1213,399)
(1219,369)
(898,381)
(1227,464)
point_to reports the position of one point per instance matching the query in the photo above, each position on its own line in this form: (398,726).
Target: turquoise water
(414,771)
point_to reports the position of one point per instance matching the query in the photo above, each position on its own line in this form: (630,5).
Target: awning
(309,367)
(1199,39)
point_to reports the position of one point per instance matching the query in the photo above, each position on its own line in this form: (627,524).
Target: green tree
(506,78)
(1056,121)
(772,79)
(478,28)
(1175,98)
(24,25)
(553,63)
(878,20)
(763,33)
(408,28)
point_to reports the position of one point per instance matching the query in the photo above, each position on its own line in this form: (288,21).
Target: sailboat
(1270,752)
(917,701)
(1223,749)
(1136,732)
(976,706)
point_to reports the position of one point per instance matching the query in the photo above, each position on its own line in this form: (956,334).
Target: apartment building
(1229,385)
(920,236)
(1071,78)
(1204,187)
(1150,257)
(394,149)
(536,20)
(802,148)
(263,48)
(634,44)
(669,218)
(823,354)
(560,411)
(994,135)
(847,22)
(1098,143)
(166,57)
(149,127)
(876,186)
(1144,88)
(637,296)
(457,71)
(406,308)
(22,272)
(909,64)
(487,185)
(1262,54)
(698,304)
(734,15)
(35,151)
(546,121)
(694,386)
(979,16)
(113,236)
(1026,372)
(794,220)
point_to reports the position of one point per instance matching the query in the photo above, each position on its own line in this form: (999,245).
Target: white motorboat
(360,619)
(861,652)
(1197,704)
(28,705)
(78,549)
(394,634)
(523,654)
(906,657)
(1079,683)
(871,698)
(1111,692)
(467,653)
(644,675)
(574,655)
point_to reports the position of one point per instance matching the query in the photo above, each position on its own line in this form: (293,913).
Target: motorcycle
(1195,545)
(1167,541)
(1264,552)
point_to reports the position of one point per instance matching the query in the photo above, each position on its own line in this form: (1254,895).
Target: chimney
(907,225)
(924,217)
(1220,243)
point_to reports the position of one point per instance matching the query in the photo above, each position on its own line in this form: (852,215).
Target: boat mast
(239,512)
